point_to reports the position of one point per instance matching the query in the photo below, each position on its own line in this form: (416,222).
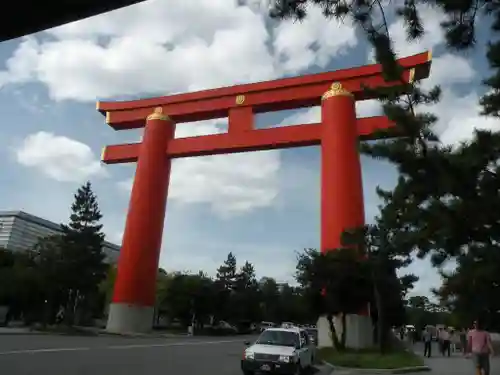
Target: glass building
(20,231)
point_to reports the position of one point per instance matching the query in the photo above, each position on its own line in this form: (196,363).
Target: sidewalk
(457,364)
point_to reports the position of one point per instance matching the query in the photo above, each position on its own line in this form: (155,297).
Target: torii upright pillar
(133,302)
(341,196)
(341,185)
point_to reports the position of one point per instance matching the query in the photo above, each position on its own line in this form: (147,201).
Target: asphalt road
(456,364)
(44,355)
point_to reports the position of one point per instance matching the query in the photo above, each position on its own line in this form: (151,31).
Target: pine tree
(246,299)
(336,283)
(83,250)
(438,186)
(224,287)
(226,273)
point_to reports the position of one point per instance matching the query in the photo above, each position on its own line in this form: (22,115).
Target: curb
(402,370)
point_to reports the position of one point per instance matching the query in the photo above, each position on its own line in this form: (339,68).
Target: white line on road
(184,343)
(115,347)
(48,350)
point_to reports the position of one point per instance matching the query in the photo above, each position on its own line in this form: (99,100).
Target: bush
(370,358)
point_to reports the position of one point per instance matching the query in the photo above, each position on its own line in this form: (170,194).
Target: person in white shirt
(445,340)
(427,337)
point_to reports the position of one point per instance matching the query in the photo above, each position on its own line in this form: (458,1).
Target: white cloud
(301,45)
(458,113)
(449,69)
(156,48)
(58,157)
(433,36)
(365,108)
(230,184)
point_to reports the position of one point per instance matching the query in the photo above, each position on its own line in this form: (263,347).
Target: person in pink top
(479,345)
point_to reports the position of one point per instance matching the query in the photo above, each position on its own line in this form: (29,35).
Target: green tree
(471,291)
(421,312)
(384,257)
(438,186)
(190,297)
(337,283)
(107,285)
(246,297)
(270,297)
(82,252)
(21,286)
(419,302)
(51,268)
(162,288)
(224,287)
(7,260)
(293,305)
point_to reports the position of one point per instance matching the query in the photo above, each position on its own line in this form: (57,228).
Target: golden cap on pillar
(158,115)
(336,89)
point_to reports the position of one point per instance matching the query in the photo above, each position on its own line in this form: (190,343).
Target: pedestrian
(463,340)
(479,346)
(454,340)
(445,342)
(427,338)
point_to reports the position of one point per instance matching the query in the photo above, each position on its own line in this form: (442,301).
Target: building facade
(20,231)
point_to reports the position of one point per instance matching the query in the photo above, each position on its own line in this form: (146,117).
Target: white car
(287,351)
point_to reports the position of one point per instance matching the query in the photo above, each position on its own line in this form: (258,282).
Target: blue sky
(261,206)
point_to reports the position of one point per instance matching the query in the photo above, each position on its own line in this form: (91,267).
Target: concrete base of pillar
(126,318)
(359,331)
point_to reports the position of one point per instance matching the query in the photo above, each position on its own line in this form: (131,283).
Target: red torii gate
(338,133)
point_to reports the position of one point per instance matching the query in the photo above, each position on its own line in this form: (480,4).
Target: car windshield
(280,338)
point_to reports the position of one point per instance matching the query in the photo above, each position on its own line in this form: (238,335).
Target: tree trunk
(380,318)
(333,333)
(343,336)
(69,310)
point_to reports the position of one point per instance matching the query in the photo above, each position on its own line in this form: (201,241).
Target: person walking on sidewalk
(446,343)
(463,341)
(427,338)
(479,345)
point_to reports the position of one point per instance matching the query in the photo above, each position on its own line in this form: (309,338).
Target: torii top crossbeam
(239,103)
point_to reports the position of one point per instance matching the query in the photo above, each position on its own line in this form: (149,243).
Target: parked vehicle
(284,350)
(313,335)
(266,325)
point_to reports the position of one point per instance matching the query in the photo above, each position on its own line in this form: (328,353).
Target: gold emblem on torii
(158,115)
(336,89)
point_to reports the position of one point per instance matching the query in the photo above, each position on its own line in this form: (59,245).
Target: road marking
(183,343)
(115,347)
(48,350)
